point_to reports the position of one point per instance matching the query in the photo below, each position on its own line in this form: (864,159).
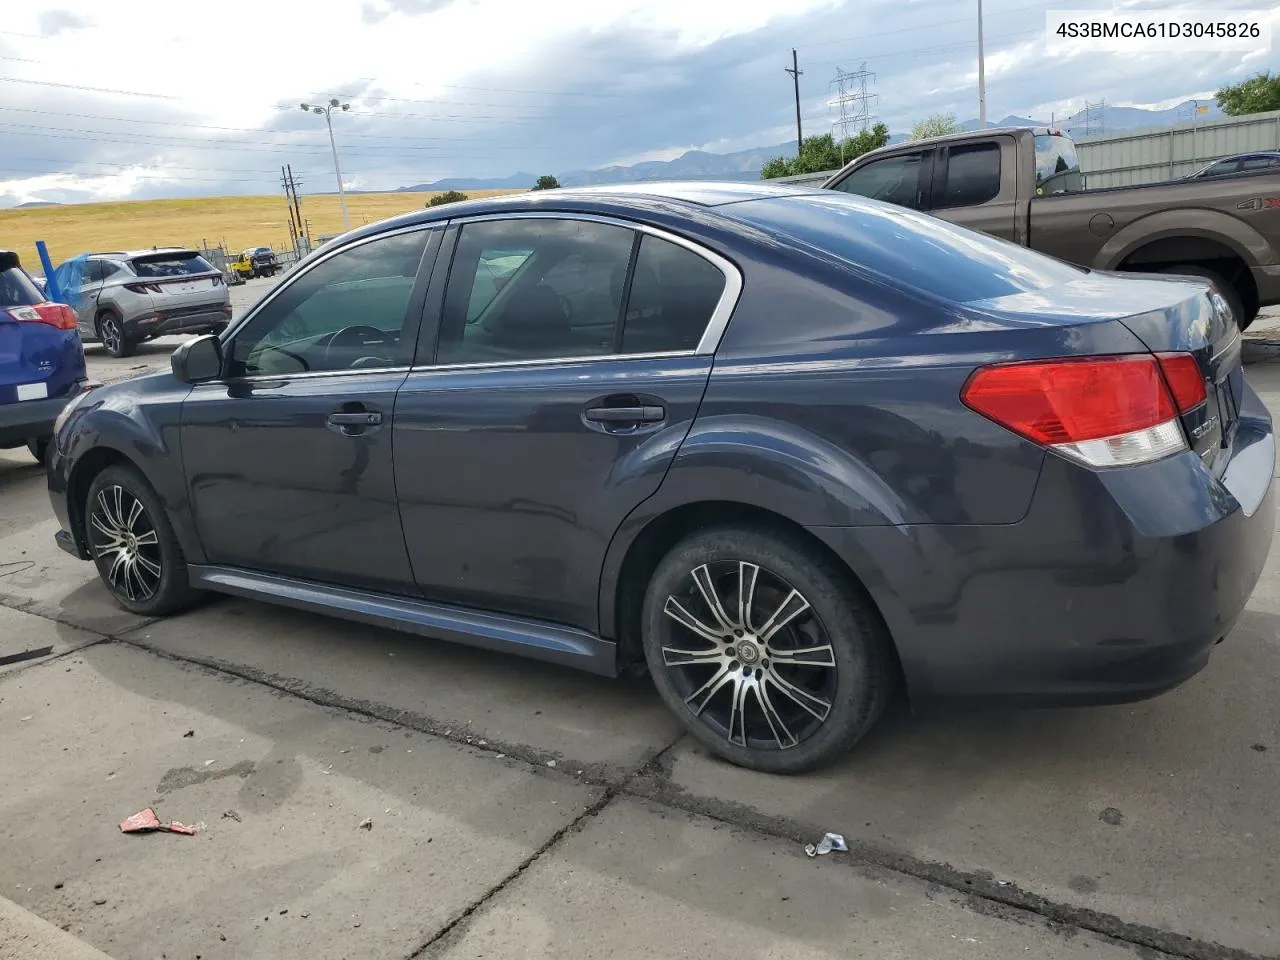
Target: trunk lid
(178,279)
(37,360)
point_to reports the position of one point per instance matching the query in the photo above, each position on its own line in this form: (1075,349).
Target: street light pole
(327,112)
(982,80)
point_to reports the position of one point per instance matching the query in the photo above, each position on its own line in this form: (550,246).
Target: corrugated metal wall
(1146,156)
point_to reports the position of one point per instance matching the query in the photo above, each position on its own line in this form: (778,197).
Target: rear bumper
(159,325)
(1115,587)
(30,419)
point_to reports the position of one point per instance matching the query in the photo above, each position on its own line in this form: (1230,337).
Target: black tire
(1225,287)
(127,571)
(39,448)
(855,686)
(112,334)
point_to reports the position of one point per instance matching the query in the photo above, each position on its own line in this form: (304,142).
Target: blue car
(41,359)
(786,450)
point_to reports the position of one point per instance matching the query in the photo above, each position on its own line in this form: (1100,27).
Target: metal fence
(1165,153)
(1152,155)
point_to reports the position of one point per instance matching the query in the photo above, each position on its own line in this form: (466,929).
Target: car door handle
(645,414)
(361,419)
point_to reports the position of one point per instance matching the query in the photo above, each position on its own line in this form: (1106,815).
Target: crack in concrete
(651,781)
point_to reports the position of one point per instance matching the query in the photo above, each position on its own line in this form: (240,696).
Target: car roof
(638,198)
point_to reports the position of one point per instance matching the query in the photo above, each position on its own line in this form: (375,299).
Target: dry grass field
(238,222)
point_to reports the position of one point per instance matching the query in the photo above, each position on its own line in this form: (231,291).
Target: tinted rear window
(17,290)
(174,265)
(913,249)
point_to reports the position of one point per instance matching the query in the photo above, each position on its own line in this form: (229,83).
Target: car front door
(903,178)
(565,367)
(288,456)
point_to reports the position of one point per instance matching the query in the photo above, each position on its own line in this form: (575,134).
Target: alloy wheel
(748,656)
(111,335)
(124,539)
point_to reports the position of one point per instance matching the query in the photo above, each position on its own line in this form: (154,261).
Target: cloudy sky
(136,99)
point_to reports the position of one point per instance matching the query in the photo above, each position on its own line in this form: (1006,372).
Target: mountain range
(746,164)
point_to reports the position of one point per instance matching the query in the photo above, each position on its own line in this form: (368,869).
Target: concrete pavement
(565,815)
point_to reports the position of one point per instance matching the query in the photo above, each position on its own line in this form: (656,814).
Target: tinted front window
(973,175)
(912,249)
(673,294)
(893,180)
(17,290)
(534,289)
(347,312)
(176,265)
(1057,166)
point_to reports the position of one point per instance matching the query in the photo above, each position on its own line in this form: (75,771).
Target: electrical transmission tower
(853,100)
(1095,118)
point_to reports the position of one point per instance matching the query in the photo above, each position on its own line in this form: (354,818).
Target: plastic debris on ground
(146,821)
(366,823)
(832,841)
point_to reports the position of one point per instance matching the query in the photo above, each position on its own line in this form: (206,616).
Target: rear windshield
(171,265)
(910,248)
(17,289)
(1057,167)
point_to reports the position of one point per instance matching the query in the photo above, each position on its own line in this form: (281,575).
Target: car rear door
(562,362)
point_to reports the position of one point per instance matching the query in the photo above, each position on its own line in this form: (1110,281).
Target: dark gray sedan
(788,450)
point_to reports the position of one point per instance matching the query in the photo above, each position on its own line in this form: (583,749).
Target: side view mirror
(198,360)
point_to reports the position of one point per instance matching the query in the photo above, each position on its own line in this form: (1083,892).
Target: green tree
(937,125)
(449,196)
(547,182)
(822,153)
(1258,94)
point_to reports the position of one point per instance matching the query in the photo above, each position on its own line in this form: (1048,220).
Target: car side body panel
(140,426)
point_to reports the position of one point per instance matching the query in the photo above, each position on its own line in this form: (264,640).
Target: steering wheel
(357,335)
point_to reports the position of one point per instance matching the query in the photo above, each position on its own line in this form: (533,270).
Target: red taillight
(1103,411)
(55,314)
(1182,373)
(143,287)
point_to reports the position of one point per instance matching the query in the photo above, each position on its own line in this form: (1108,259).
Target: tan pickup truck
(1024,185)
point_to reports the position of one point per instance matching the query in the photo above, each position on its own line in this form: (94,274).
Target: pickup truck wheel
(1227,289)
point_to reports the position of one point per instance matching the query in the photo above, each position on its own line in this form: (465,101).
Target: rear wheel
(133,545)
(114,340)
(764,650)
(1225,287)
(39,448)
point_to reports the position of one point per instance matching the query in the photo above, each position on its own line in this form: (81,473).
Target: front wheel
(133,545)
(764,649)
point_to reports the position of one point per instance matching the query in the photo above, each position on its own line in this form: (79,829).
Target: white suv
(122,299)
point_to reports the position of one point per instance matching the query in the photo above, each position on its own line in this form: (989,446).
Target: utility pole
(795,72)
(982,75)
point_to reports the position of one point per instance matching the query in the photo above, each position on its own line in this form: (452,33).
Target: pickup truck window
(1057,167)
(972,177)
(895,180)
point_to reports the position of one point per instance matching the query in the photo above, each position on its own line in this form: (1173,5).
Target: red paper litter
(140,822)
(145,821)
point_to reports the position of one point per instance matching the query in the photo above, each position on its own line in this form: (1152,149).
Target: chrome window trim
(711,335)
(226,336)
(234,328)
